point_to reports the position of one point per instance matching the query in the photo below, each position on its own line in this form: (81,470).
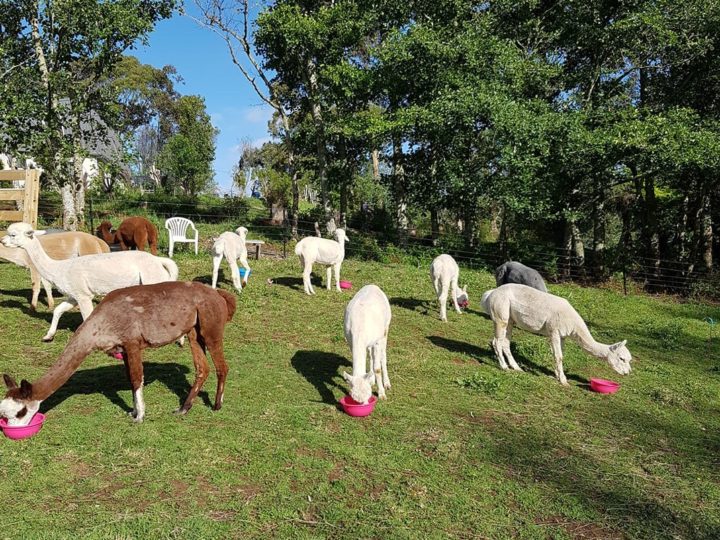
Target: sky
(202,60)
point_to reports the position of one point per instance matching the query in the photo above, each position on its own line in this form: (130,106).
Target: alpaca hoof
(517,368)
(383,397)
(48,339)
(181,411)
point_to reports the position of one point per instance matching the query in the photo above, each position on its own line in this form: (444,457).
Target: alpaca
(232,246)
(62,245)
(84,277)
(330,253)
(133,232)
(444,273)
(515,272)
(128,321)
(546,315)
(367,321)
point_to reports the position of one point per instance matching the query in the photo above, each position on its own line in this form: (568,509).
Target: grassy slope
(500,455)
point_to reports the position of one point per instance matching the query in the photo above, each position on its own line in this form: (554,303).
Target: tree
(56,64)
(188,154)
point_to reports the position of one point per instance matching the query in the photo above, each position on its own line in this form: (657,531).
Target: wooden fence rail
(27,193)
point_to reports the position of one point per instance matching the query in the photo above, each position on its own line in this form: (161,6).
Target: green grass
(459,449)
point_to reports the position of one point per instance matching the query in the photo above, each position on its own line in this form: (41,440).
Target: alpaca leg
(329,277)
(506,347)
(201,370)
(337,277)
(498,343)
(86,307)
(217,259)
(232,263)
(556,346)
(246,266)
(48,293)
(57,313)
(443,302)
(375,359)
(383,363)
(221,369)
(306,278)
(454,284)
(134,368)
(35,280)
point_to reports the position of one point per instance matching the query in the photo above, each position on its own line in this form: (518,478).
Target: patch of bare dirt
(579,530)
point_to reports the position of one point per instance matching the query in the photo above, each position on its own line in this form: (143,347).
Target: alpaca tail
(230,301)
(170,267)
(218,247)
(485,301)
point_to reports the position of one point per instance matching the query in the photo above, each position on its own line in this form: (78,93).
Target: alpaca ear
(617,345)
(25,390)
(9,381)
(346,376)
(465,289)
(30,234)
(40,233)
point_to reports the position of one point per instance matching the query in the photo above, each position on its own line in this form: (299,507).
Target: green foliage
(480,382)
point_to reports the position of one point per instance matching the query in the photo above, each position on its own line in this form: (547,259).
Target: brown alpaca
(127,321)
(133,232)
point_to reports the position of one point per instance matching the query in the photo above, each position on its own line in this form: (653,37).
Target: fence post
(624,279)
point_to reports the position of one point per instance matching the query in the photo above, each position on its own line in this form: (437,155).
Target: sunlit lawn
(459,449)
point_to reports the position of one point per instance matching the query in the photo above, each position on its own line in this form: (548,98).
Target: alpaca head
(360,386)
(105,228)
(18,407)
(462,297)
(241,231)
(619,358)
(340,236)
(19,235)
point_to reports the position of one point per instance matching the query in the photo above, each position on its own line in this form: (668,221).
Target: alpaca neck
(77,349)
(583,337)
(46,266)
(107,236)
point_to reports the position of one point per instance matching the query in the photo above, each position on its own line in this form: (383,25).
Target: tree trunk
(434,225)
(706,233)
(652,235)
(567,249)
(578,246)
(319,135)
(343,204)
(599,232)
(376,165)
(70,221)
(399,195)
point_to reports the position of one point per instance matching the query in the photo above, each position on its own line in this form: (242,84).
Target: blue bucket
(243,272)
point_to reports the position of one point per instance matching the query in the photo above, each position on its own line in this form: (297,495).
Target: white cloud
(258,114)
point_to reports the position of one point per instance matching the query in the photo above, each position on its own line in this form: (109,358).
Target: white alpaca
(367,321)
(444,273)
(330,253)
(546,315)
(63,245)
(232,246)
(82,278)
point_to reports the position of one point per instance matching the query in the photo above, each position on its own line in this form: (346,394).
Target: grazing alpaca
(63,245)
(83,278)
(367,321)
(232,246)
(515,272)
(444,273)
(128,321)
(133,232)
(330,253)
(546,315)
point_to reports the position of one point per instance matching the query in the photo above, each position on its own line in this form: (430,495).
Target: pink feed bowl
(23,432)
(345,284)
(353,408)
(604,386)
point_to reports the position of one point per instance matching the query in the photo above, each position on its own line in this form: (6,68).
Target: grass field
(459,449)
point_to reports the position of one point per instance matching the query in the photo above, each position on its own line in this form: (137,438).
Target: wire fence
(633,272)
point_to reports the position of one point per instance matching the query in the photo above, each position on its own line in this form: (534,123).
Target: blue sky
(202,60)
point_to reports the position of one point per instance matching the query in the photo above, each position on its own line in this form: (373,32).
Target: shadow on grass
(538,455)
(414,304)
(321,370)
(110,380)
(69,320)
(487,356)
(297,282)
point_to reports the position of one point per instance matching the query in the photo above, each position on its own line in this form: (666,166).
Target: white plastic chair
(177,231)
